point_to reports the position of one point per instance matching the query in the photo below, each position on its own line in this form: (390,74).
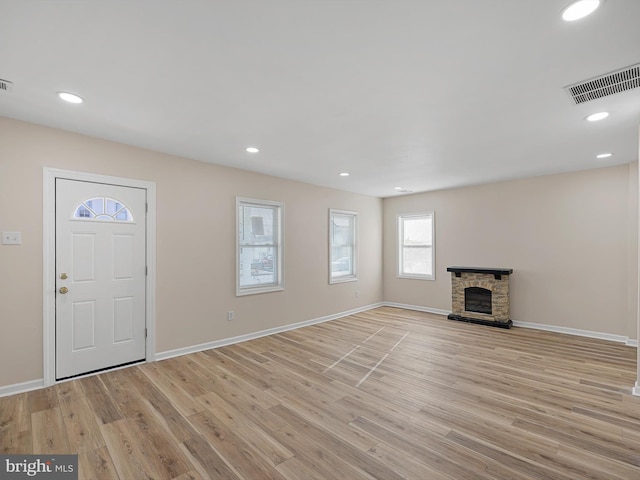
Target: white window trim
(399,233)
(354,276)
(279,286)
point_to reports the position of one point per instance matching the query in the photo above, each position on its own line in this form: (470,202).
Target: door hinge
(146,207)
(146,333)
(146,270)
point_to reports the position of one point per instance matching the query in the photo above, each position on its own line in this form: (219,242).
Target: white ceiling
(421,94)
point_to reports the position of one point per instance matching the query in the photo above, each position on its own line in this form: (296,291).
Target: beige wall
(571,240)
(195,244)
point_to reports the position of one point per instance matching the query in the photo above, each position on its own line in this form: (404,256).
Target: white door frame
(49,257)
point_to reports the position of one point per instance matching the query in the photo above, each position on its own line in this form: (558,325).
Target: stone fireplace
(480,295)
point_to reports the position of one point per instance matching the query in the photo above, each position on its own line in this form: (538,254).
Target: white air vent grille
(605,85)
(5,86)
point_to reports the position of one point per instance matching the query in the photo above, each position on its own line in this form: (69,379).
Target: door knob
(63,290)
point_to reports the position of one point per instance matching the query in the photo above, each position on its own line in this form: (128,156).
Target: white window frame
(400,229)
(353,277)
(277,244)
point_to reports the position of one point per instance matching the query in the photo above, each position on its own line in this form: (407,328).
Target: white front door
(100,276)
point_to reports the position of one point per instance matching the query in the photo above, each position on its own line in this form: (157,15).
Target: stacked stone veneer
(499,288)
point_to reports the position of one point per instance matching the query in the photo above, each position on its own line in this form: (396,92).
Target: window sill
(256,291)
(417,277)
(333,281)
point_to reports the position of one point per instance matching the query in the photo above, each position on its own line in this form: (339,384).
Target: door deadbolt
(63,290)
(64,276)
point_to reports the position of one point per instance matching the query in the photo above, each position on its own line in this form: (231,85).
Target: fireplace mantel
(496,272)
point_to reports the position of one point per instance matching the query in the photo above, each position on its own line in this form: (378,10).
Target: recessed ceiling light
(344,174)
(604,155)
(580,9)
(594,117)
(70,97)
(398,188)
(252,149)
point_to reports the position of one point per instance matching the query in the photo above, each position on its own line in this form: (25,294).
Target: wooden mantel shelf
(488,271)
(496,272)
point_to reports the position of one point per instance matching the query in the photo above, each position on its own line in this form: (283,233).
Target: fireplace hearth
(480,295)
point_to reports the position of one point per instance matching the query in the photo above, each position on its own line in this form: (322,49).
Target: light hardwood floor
(386,394)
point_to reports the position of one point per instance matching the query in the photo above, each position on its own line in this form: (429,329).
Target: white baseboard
(7,390)
(417,308)
(263,333)
(537,326)
(636,390)
(36,384)
(575,331)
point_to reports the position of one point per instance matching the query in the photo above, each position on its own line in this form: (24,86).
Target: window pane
(258,266)
(341,263)
(417,261)
(342,230)
(417,231)
(82,212)
(124,216)
(113,206)
(96,204)
(257,225)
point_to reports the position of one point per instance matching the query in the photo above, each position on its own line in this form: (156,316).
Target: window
(415,246)
(342,246)
(103,209)
(259,246)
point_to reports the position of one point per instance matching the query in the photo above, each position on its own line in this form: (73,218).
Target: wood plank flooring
(386,394)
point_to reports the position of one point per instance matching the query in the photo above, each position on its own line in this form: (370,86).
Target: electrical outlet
(231,315)
(11,238)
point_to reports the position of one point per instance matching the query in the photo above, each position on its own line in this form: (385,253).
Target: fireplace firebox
(480,295)
(477,299)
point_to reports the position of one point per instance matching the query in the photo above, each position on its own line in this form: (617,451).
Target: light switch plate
(11,238)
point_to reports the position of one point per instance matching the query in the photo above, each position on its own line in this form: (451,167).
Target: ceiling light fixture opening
(252,149)
(70,97)
(594,117)
(604,155)
(579,9)
(344,174)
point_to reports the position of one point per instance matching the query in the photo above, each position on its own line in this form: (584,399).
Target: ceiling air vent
(605,85)
(5,85)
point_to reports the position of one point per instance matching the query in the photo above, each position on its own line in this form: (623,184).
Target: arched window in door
(103,209)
